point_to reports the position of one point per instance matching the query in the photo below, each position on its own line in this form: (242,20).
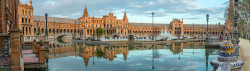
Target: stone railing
(217,40)
(5,52)
(31,38)
(39,50)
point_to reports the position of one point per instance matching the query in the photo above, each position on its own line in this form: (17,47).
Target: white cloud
(137,8)
(212,2)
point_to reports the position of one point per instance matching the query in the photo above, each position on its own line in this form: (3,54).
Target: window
(25,20)
(22,20)
(23,30)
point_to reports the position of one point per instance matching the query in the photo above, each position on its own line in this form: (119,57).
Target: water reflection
(188,56)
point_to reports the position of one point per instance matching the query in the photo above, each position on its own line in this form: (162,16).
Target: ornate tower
(125,16)
(230,19)
(231,11)
(125,20)
(25,13)
(85,13)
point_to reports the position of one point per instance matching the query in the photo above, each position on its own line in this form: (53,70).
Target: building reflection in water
(86,51)
(109,53)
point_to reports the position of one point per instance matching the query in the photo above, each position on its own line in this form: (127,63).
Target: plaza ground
(245,53)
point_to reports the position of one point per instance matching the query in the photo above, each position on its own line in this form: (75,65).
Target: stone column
(28,34)
(92,32)
(3,19)
(22,39)
(34,46)
(32,31)
(24,31)
(42,54)
(15,49)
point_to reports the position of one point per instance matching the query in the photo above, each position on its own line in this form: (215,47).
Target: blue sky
(192,11)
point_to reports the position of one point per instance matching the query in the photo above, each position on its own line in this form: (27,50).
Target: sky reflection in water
(167,58)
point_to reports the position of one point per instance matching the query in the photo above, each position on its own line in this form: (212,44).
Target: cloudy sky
(192,11)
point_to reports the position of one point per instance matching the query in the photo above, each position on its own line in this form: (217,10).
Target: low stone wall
(93,42)
(134,43)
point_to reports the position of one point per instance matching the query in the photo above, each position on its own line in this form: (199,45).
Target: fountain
(165,35)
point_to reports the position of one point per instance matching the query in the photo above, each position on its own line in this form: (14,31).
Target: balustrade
(6,51)
(31,38)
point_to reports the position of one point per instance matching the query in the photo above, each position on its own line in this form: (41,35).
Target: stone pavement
(29,57)
(245,53)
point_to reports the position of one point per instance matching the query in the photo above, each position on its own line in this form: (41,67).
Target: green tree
(99,32)
(99,53)
(244,15)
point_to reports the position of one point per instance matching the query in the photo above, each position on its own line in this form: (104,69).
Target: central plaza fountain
(164,35)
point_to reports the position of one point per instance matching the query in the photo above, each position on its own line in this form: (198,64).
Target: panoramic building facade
(86,26)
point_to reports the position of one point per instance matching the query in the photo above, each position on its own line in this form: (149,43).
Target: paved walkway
(245,53)
(29,57)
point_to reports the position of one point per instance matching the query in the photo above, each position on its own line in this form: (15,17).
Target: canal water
(187,56)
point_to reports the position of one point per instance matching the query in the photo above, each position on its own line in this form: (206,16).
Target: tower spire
(110,10)
(85,7)
(85,13)
(125,16)
(30,3)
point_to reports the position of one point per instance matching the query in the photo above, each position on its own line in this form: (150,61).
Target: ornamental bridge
(61,35)
(43,38)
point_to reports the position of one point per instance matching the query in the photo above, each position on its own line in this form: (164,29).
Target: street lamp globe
(46,15)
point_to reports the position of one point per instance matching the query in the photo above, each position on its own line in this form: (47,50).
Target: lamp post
(219,31)
(75,29)
(54,31)
(85,33)
(79,32)
(236,15)
(93,28)
(59,28)
(38,29)
(152,26)
(193,30)
(46,30)
(207,27)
